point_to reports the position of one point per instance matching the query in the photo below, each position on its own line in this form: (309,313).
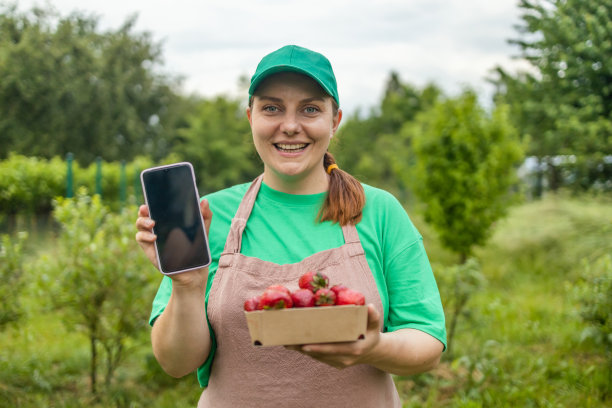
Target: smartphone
(172,196)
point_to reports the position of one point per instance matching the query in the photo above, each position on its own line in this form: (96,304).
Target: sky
(211,44)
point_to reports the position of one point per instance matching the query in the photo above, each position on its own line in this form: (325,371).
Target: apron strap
(351,240)
(234,238)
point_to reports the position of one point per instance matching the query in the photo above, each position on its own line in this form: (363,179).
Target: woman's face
(293,120)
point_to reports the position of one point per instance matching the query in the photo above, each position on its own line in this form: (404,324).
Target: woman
(303,213)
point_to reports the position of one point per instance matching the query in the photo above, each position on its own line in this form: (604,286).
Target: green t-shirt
(283,229)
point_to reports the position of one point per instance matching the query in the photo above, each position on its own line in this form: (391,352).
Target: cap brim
(255,82)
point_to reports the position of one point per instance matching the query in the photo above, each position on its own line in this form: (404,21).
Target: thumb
(373,318)
(206,214)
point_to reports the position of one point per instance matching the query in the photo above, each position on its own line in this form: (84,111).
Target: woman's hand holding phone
(146,239)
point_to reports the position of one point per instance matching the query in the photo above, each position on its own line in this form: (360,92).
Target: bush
(594,293)
(102,282)
(29,185)
(11,278)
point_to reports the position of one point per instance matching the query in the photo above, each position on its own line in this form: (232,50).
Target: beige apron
(244,375)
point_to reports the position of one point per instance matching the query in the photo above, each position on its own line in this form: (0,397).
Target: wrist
(190,282)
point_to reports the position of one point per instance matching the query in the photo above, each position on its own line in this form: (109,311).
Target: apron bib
(244,375)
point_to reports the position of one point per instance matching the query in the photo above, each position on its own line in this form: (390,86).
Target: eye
(270,108)
(311,109)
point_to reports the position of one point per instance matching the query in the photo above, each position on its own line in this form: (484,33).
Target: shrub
(29,184)
(594,292)
(11,277)
(101,280)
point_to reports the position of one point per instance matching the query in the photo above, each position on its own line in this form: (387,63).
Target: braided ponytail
(345,198)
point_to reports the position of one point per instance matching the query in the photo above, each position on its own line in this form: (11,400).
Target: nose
(290,124)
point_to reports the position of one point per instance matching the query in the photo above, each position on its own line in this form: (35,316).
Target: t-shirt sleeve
(414,298)
(161,299)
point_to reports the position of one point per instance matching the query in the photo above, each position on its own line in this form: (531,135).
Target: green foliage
(457,284)
(99,278)
(11,278)
(518,345)
(29,184)
(594,291)
(66,85)
(563,102)
(217,141)
(465,163)
(111,180)
(520,341)
(373,148)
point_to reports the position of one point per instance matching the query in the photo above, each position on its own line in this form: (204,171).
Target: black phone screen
(171,194)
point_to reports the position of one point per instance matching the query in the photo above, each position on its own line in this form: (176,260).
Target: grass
(517,344)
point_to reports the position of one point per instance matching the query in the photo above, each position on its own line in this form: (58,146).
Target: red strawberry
(252,303)
(303,298)
(350,297)
(275,299)
(325,297)
(279,287)
(313,280)
(338,288)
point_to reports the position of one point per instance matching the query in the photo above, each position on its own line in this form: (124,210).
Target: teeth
(291,146)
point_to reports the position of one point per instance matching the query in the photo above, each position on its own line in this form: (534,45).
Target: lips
(290,147)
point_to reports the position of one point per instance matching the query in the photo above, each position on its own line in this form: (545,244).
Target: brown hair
(345,198)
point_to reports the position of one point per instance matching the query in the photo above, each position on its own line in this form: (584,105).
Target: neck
(317,182)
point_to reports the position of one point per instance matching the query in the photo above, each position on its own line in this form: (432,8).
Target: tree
(217,141)
(463,174)
(373,148)
(465,163)
(68,87)
(563,102)
(99,278)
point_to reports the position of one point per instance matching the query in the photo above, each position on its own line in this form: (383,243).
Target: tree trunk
(94,362)
(539,184)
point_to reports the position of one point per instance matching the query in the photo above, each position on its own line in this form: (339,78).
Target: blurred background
(490,121)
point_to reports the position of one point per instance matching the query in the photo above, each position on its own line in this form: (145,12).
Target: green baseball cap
(293,58)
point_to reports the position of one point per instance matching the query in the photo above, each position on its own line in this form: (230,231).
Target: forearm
(406,352)
(180,335)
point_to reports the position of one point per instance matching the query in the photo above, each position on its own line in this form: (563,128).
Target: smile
(290,148)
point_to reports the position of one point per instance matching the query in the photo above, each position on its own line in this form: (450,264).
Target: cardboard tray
(325,324)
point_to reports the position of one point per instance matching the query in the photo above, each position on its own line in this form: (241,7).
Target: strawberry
(275,299)
(338,288)
(279,287)
(313,280)
(350,297)
(252,303)
(325,297)
(303,298)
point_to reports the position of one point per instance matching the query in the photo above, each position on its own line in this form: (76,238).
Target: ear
(249,113)
(336,122)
